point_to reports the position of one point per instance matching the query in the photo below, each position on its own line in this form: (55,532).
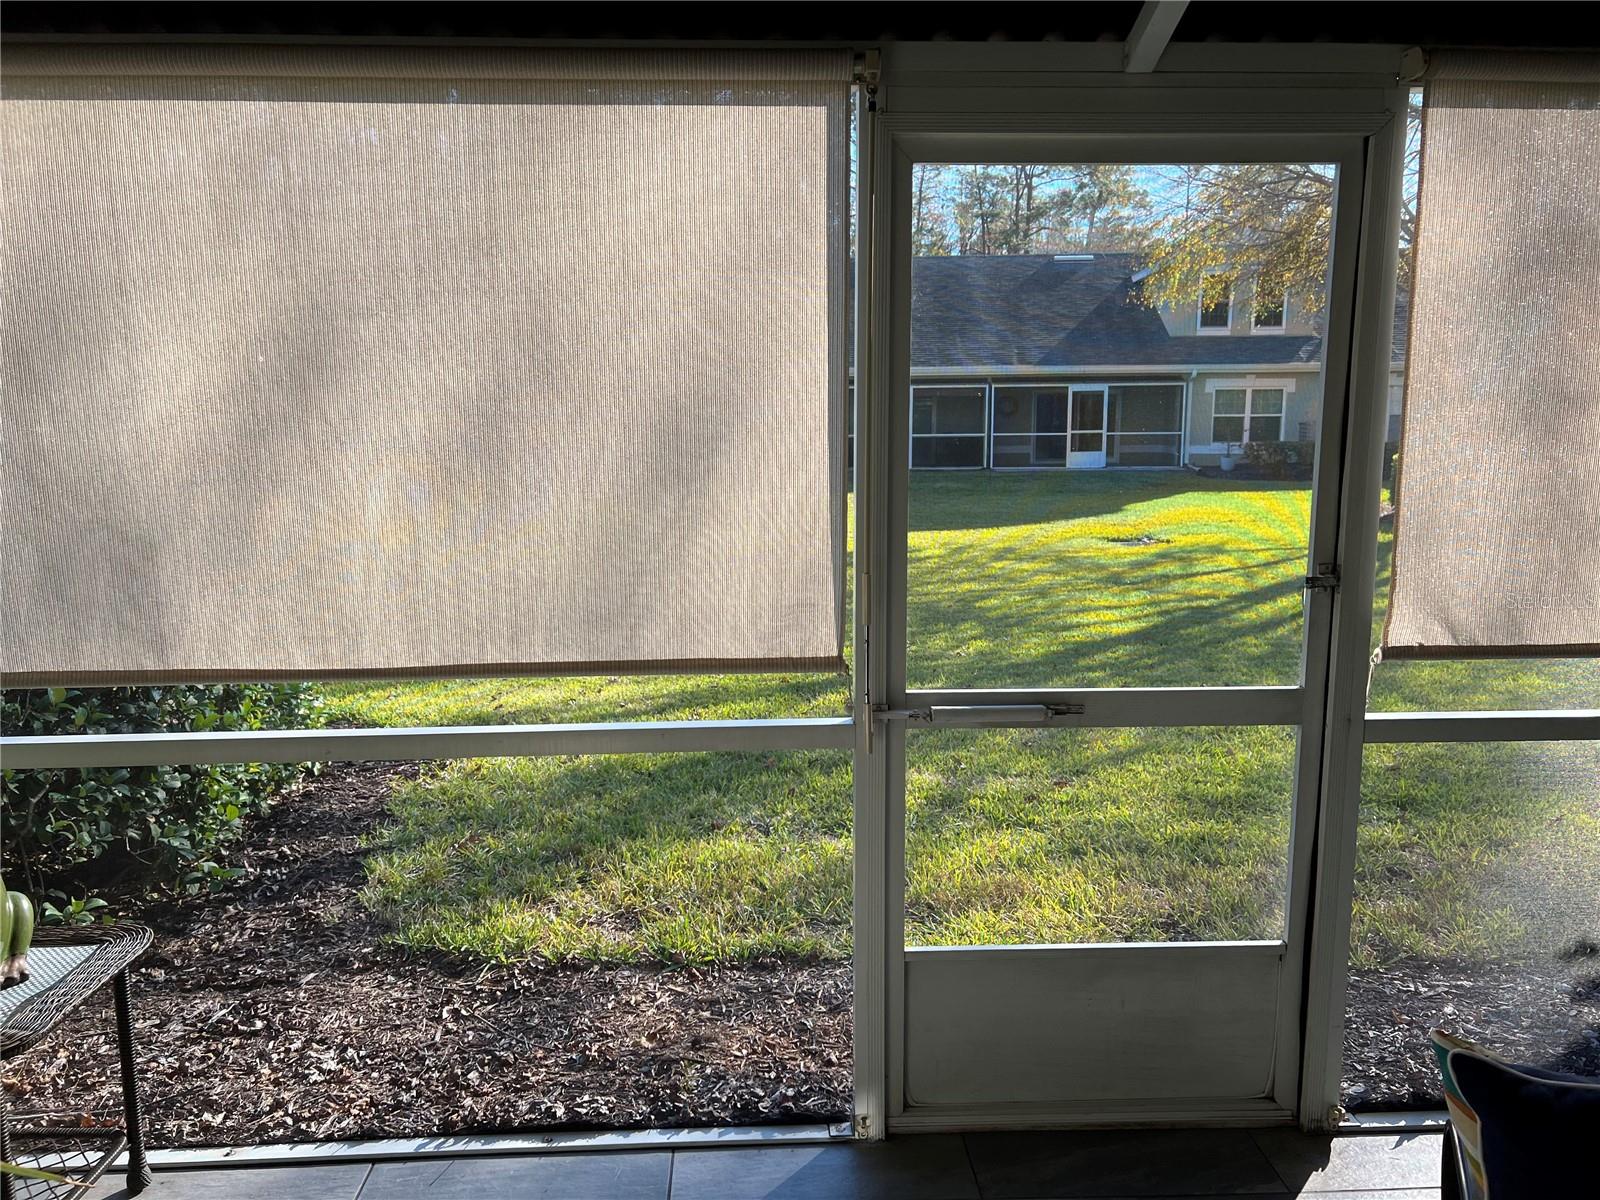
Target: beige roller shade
(1497,540)
(323,363)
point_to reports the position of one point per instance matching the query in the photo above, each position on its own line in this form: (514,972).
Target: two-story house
(1054,361)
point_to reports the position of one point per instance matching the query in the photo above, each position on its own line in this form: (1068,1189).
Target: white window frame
(1249,415)
(1255,308)
(1200,327)
(982,433)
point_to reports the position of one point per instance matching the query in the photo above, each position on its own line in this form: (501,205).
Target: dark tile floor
(1187,1164)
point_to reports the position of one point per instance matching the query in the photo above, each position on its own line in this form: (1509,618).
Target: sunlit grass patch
(1097,835)
(1070,579)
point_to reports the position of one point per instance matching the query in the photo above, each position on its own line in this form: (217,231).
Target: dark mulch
(1544,1013)
(273,1011)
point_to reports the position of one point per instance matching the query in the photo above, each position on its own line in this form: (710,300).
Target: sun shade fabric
(1497,536)
(326,364)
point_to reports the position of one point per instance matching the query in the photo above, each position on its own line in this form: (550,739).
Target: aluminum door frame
(1073,431)
(1352,122)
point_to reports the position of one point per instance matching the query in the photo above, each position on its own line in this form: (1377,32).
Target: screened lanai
(600,600)
(1041,426)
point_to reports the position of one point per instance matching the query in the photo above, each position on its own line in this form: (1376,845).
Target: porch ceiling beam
(1151,32)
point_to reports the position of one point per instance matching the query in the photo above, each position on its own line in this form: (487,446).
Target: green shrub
(1282,460)
(65,832)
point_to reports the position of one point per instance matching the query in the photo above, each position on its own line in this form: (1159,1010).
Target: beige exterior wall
(1302,405)
(1183,320)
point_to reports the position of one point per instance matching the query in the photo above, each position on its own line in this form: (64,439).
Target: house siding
(1302,406)
(1042,320)
(1183,320)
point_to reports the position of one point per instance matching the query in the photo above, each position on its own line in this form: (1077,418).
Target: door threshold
(1092,1114)
(481,1144)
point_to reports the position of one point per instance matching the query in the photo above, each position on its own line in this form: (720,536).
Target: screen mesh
(1498,507)
(326,364)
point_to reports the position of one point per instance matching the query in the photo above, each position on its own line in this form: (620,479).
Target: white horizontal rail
(1117,707)
(1092,707)
(1575,724)
(404,745)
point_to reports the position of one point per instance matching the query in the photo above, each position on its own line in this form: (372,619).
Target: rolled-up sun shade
(322,363)
(1497,537)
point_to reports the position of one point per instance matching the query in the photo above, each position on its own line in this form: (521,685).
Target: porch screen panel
(323,363)
(1499,488)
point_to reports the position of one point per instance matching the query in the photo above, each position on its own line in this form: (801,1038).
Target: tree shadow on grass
(750,850)
(696,857)
(1174,636)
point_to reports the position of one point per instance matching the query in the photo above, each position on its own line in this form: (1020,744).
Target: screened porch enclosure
(1047,787)
(1144,425)
(948,427)
(1031,426)
(1078,423)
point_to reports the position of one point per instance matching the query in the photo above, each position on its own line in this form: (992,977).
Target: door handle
(970,715)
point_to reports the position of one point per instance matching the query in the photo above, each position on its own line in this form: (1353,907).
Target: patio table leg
(138,1169)
(6,1189)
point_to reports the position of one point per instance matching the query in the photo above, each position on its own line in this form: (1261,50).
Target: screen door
(1088,433)
(1101,679)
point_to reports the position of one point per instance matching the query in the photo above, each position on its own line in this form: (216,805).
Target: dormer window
(1216,304)
(1270,308)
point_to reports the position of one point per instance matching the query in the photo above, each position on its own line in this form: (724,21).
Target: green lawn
(1094,580)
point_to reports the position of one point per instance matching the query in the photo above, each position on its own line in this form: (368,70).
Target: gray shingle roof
(1038,311)
(1402,327)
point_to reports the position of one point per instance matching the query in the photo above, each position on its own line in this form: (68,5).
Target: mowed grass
(1081,579)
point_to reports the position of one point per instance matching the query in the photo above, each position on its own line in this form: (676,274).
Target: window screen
(1216,302)
(947,427)
(1228,409)
(1266,415)
(1144,425)
(328,363)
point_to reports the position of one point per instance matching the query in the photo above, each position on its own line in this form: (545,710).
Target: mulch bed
(274,1011)
(1547,1014)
